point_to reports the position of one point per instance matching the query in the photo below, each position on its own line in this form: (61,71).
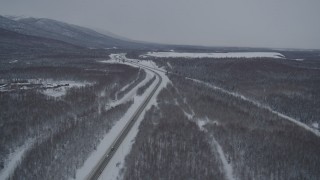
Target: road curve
(98,169)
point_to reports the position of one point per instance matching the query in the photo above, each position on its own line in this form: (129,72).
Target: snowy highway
(99,168)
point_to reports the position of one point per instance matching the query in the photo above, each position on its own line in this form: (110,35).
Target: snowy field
(55,91)
(216,55)
(48,87)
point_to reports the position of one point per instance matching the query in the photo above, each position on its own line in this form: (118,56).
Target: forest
(194,131)
(199,132)
(287,86)
(59,133)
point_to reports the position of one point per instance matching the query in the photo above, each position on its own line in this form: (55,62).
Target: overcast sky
(250,23)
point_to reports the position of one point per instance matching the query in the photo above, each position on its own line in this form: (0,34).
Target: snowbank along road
(99,168)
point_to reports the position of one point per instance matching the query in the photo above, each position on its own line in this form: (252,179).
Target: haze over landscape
(246,23)
(159,90)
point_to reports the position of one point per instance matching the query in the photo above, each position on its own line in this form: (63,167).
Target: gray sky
(251,23)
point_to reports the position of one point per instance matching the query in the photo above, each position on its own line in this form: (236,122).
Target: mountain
(20,44)
(110,34)
(12,25)
(61,31)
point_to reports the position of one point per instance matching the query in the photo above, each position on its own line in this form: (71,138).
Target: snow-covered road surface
(112,171)
(121,149)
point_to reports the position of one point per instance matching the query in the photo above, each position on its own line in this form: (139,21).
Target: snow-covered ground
(124,88)
(108,139)
(130,95)
(258,104)
(48,87)
(112,171)
(169,65)
(14,159)
(228,170)
(61,91)
(315,125)
(226,164)
(201,123)
(216,55)
(13,61)
(111,48)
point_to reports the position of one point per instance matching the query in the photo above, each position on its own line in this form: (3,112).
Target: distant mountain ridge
(13,44)
(73,34)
